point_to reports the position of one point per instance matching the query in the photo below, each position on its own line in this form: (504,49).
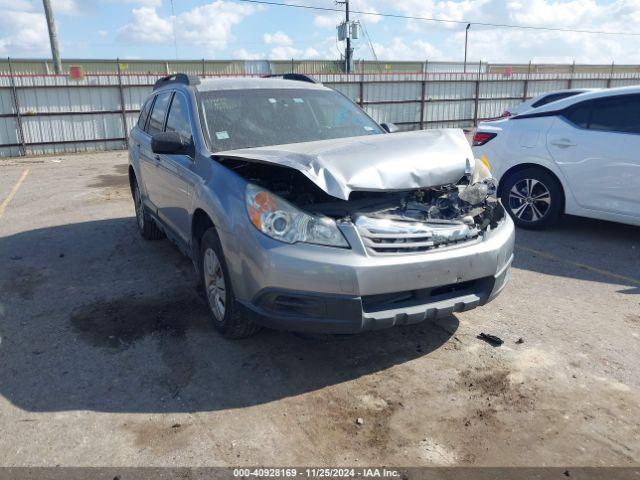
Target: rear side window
(579,114)
(159,112)
(553,97)
(611,114)
(621,114)
(178,119)
(144,113)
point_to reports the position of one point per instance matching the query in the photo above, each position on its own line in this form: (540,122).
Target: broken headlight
(280,220)
(481,185)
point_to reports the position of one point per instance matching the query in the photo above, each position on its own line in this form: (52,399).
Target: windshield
(259,117)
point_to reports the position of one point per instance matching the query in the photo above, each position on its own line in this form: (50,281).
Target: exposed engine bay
(420,218)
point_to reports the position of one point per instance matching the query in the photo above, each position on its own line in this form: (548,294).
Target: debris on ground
(520,340)
(359,421)
(490,339)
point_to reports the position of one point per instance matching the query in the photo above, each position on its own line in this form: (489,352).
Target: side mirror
(170,143)
(390,127)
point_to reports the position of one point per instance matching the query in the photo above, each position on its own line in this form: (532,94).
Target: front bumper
(331,290)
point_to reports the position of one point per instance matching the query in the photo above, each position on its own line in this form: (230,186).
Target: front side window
(159,112)
(178,119)
(260,117)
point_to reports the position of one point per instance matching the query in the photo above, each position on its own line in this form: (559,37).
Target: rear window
(553,98)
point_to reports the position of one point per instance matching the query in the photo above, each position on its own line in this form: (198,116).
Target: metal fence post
(361,86)
(525,90)
(610,76)
(573,71)
(423,88)
(477,97)
(123,108)
(203,68)
(16,104)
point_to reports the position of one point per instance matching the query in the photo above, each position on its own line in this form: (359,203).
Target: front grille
(383,236)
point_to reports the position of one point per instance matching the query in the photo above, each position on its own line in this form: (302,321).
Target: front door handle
(563,143)
(157,159)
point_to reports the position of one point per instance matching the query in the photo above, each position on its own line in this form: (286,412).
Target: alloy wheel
(529,200)
(214,284)
(137,200)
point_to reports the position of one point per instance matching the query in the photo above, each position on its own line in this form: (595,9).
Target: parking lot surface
(107,357)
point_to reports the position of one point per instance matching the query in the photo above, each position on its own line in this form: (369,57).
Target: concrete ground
(107,359)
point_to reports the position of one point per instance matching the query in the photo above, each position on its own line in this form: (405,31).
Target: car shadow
(583,249)
(92,317)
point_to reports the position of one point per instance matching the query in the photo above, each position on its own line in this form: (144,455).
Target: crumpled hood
(398,161)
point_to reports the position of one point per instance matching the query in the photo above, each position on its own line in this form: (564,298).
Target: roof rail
(182,78)
(299,77)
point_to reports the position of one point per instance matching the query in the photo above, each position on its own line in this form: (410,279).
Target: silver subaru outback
(301,213)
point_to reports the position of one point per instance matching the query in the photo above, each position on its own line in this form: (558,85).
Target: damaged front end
(286,206)
(432,218)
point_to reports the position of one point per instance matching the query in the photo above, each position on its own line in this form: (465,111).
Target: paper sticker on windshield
(368,128)
(222,135)
(272,100)
(298,100)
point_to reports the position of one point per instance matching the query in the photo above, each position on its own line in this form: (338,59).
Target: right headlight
(281,221)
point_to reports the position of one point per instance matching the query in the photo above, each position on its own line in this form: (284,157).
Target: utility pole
(466,37)
(53,36)
(348,51)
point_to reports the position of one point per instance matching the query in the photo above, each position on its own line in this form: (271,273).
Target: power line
(441,20)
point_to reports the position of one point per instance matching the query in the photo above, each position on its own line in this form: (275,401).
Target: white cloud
(23,34)
(70,7)
(146,3)
(397,49)
(288,52)
(103,33)
(278,38)
(326,21)
(206,25)
(147,27)
(244,54)
(16,5)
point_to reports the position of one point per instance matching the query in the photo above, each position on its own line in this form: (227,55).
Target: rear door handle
(563,143)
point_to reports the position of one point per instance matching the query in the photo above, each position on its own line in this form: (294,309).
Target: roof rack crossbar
(182,78)
(299,77)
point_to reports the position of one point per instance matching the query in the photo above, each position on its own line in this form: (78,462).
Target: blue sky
(222,29)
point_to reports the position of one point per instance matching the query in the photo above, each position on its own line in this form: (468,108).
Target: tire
(221,302)
(533,197)
(146,224)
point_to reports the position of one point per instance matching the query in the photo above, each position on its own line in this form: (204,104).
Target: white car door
(596,144)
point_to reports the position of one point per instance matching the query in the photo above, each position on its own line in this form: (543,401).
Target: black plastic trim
(181,78)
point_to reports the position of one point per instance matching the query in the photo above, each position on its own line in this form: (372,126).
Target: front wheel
(226,316)
(533,198)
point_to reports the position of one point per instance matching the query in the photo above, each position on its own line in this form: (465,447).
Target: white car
(579,155)
(543,99)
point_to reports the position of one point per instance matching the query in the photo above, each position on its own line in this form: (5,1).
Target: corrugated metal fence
(45,113)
